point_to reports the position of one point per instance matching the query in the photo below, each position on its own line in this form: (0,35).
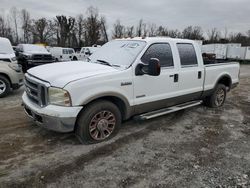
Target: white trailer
(234,52)
(234,44)
(220,50)
(245,53)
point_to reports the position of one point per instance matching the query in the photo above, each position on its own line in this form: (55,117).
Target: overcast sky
(175,14)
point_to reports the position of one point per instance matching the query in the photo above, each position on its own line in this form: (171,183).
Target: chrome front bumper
(56,118)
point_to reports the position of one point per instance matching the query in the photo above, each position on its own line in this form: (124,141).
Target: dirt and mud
(197,147)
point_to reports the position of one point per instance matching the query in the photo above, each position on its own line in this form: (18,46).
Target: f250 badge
(126,83)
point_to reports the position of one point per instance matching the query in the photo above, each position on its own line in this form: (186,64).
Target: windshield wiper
(103,62)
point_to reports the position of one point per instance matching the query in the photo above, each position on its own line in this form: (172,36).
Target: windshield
(120,53)
(33,48)
(5,46)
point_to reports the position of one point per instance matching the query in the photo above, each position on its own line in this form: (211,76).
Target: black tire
(92,115)
(74,58)
(4,86)
(216,101)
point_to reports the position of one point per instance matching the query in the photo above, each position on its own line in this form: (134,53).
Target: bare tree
(139,28)
(42,30)
(213,35)
(194,33)
(161,31)
(152,30)
(5,29)
(64,28)
(26,25)
(118,30)
(129,31)
(104,29)
(174,33)
(14,16)
(92,25)
(79,29)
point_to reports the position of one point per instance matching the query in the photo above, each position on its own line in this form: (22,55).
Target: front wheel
(218,97)
(4,86)
(100,121)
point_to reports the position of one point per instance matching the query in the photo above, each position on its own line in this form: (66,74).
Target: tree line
(92,28)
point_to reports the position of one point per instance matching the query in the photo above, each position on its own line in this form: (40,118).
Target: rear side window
(187,54)
(161,51)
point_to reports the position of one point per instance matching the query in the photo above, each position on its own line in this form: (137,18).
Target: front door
(151,93)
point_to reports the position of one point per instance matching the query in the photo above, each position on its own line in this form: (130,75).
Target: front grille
(36,92)
(42,57)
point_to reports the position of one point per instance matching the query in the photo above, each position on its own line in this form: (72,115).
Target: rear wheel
(100,121)
(218,97)
(4,86)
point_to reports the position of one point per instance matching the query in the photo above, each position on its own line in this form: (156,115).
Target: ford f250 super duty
(144,78)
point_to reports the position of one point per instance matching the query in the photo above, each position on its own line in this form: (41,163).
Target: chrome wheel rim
(102,125)
(220,96)
(2,87)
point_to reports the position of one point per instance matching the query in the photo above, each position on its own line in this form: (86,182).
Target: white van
(62,54)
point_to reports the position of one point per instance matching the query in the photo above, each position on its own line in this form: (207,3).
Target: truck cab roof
(159,39)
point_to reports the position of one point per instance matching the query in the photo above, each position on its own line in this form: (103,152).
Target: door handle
(199,74)
(175,76)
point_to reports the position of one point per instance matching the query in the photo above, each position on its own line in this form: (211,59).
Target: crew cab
(31,55)
(142,78)
(11,76)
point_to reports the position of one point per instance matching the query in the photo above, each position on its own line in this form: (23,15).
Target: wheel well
(7,77)
(225,80)
(117,101)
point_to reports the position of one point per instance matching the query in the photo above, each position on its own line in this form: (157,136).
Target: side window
(65,51)
(187,54)
(161,51)
(87,51)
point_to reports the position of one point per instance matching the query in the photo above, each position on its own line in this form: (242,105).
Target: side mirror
(153,68)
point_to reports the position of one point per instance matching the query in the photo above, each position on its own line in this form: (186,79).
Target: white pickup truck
(137,77)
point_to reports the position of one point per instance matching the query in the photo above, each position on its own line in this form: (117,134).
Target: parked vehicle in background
(84,53)
(62,54)
(142,77)
(31,55)
(245,51)
(11,76)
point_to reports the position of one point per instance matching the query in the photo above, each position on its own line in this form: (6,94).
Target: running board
(164,111)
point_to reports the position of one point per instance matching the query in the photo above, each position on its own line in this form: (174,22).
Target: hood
(7,56)
(60,74)
(36,52)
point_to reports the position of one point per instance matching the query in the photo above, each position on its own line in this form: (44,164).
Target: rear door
(65,54)
(151,92)
(191,73)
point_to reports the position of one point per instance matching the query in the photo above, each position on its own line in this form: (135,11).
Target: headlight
(28,56)
(58,96)
(16,67)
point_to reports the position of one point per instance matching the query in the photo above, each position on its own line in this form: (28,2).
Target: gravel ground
(197,147)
